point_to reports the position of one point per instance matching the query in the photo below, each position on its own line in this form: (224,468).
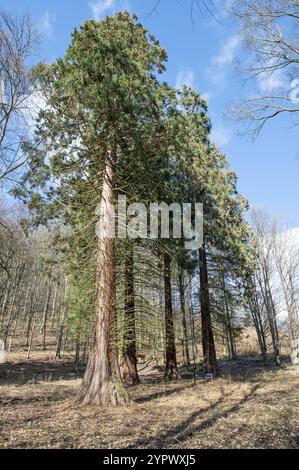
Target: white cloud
(220,136)
(227,51)
(46,24)
(292,236)
(207,96)
(223,59)
(294,91)
(273,82)
(33,104)
(185,77)
(100,7)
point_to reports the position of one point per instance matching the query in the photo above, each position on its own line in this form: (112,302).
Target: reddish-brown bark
(102,383)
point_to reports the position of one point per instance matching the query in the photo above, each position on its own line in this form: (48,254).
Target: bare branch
(269,29)
(17,42)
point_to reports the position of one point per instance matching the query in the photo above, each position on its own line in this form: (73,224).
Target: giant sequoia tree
(111,128)
(100,97)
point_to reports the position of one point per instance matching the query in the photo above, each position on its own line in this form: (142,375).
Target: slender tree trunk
(171,372)
(3,307)
(293,319)
(11,314)
(57,354)
(260,335)
(30,316)
(257,321)
(184,322)
(208,345)
(12,335)
(161,322)
(26,303)
(102,383)
(45,317)
(274,330)
(129,360)
(192,331)
(84,354)
(77,356)
(53,310)
(229,328)
(289,291)
(31,336)
(271,312)
(65,342)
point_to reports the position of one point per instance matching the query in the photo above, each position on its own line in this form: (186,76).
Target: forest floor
(250,406)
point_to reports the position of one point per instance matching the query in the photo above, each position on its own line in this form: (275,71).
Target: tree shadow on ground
(37,371)
(184,430)
(161,394)
(248,368)
(241,369)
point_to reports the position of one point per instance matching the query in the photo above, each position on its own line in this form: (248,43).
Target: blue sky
(202,55)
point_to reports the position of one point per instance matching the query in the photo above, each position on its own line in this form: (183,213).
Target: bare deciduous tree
(270,33)
(286,256)
(17,42)
(267,294)
(275,298)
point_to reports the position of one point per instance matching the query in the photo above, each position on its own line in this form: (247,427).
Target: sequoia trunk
(102,383)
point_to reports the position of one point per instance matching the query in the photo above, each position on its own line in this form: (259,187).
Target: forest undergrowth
(249,406)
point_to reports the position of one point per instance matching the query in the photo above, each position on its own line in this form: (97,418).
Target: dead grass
(249,407)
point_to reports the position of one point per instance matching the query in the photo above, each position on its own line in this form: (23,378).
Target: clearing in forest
(250,406)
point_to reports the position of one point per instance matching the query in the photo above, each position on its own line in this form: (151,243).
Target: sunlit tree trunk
(43,328)
(208,345)
(256,314)
(192,326)
(102,383)
(31,336)
(11,311)
(271,314)
(30,315)
(77,353)
(229,326)
(53,310)
(184,322)
(4,304)
(57,354)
